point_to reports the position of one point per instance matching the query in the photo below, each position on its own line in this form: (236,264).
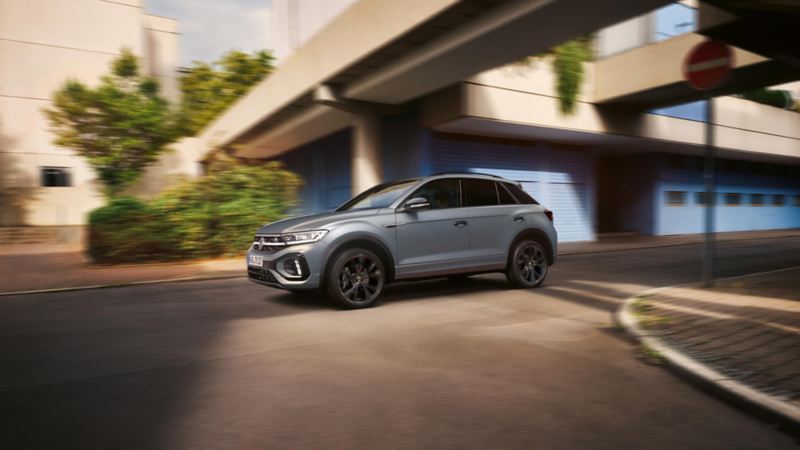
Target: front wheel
(527,266)
(355,279)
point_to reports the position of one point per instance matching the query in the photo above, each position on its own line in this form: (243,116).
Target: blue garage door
(324,166)
(559,179)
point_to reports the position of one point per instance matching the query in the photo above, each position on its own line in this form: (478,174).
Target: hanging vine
(568,59)
(567,62)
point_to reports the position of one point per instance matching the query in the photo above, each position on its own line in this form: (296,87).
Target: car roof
(483,176)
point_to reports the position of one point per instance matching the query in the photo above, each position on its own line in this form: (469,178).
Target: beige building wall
(42,44)
(518,101)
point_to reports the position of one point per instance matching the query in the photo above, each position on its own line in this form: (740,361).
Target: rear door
(493,222)
(435,240)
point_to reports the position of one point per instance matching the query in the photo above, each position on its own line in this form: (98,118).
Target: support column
(367,164)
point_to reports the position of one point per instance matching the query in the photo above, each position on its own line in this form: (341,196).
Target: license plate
(256,260)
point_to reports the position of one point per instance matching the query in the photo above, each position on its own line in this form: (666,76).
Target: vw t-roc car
(447,225)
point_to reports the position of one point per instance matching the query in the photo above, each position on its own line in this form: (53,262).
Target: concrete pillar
(367,164)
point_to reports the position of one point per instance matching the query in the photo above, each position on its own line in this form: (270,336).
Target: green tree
(208,89)
(119,126)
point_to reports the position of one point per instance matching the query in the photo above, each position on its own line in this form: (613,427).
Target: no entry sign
(707,65)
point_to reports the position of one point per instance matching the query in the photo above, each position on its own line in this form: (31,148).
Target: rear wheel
(527,266)
(355,279)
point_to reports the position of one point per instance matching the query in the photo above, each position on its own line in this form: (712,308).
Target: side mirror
(416,204)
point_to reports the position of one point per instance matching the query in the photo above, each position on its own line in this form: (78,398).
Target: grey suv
(448,225)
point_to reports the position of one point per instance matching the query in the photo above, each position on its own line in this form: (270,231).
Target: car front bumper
(272,271)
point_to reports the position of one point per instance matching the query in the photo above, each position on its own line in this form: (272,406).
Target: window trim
(758,205)
(518,185)
(498,185)
(63,171)
(727,203)
(464,191)
(683,201)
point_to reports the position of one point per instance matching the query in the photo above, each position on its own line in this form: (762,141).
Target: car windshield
(379,196)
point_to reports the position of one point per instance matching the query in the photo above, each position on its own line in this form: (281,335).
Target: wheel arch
(538,236)
(361,241)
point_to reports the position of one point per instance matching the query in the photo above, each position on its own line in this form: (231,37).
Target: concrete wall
(161,52)
(42,44)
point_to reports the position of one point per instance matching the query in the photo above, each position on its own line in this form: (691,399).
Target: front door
(433,241)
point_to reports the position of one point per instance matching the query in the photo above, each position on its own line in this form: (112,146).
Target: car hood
(313,221)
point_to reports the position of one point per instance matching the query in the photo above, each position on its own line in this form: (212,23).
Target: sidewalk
(743,334)
(39,271)
(39,266)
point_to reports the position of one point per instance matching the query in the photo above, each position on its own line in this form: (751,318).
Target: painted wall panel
(775,180)
(562,180)
(324,166)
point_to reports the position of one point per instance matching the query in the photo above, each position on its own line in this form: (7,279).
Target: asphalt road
(439,364)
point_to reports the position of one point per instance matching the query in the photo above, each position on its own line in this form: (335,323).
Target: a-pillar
(367,164)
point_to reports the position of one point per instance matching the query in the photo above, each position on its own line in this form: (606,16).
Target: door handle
(460,223)
(518,219)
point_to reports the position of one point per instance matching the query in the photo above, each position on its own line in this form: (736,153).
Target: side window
(479,192)
(441,193)
(676,198)
(505,196)
(520,195)
(733,199)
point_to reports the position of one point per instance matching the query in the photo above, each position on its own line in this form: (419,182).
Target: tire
(355,279)
(527,264)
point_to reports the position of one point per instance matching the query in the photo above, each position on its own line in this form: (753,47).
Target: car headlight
(303,237)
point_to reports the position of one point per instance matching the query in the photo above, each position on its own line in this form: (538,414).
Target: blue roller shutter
(559,179)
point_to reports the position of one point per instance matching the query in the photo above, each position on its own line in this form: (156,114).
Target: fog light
(292,267)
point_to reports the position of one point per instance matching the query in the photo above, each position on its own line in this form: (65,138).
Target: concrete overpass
(765,54)
(384,53)
(396,89)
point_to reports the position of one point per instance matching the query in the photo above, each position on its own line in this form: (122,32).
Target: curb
(124,284)
(768,406)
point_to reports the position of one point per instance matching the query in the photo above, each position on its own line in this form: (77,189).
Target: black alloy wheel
(356,278)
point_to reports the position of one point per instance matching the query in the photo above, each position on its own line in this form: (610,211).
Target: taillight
(549,214)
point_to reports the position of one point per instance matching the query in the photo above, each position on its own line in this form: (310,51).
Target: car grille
(261,274)
(268,242)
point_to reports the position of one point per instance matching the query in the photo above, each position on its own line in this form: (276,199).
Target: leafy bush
(212,216)
(127,230)
(218,214)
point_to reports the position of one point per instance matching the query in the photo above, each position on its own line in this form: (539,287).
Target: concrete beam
(361,30)
(367,164)
(511,31)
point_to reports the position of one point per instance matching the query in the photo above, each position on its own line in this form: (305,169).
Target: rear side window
(520,195)
(505,197)
(479,192)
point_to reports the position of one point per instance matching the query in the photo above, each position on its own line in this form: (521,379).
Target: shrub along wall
(215,215)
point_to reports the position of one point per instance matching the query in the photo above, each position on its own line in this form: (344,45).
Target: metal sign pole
(709,177)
